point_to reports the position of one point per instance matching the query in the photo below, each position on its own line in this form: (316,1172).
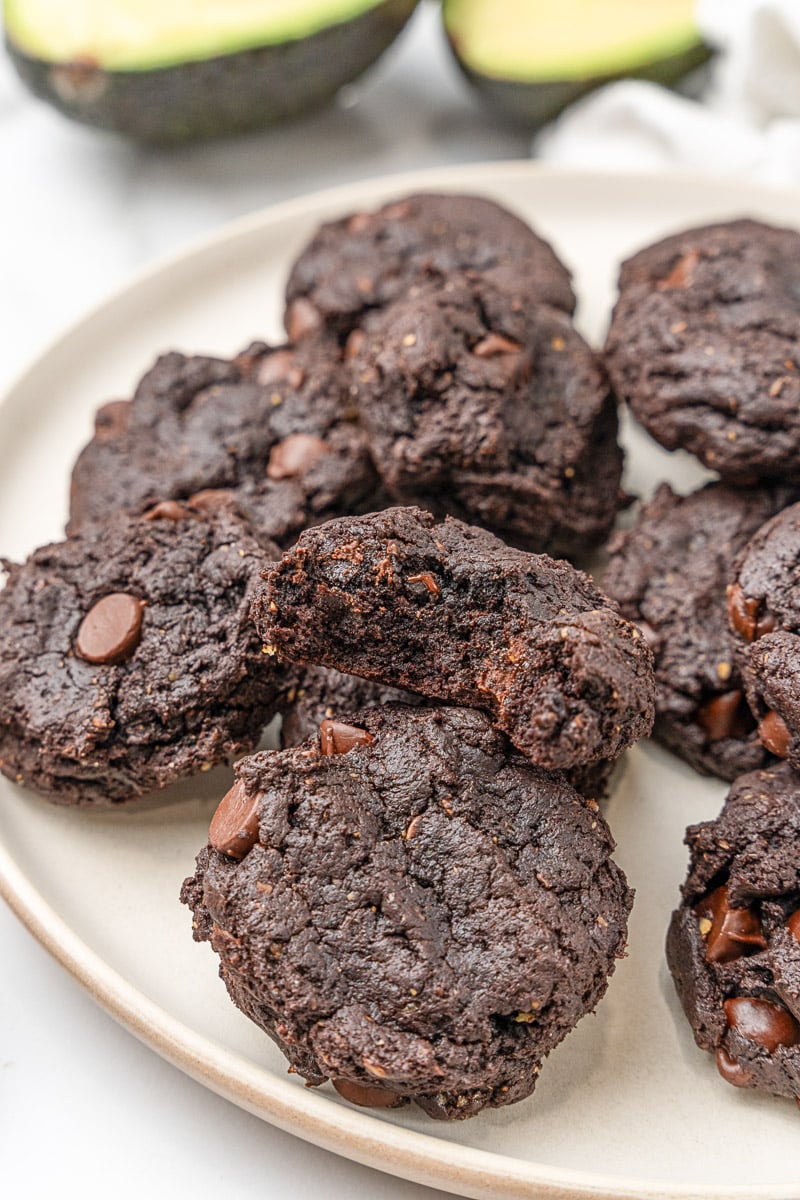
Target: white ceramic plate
(627,1106)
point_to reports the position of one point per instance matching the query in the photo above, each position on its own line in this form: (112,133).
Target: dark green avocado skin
(534,104)
(233,93)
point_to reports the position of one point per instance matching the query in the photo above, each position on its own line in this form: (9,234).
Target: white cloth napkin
(746,123)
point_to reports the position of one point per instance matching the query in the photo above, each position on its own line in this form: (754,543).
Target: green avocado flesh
(531,58)
(139,35)
(557,40)
(180,70)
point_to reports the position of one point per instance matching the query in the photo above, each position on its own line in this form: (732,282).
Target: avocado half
(531,58)
(180,70)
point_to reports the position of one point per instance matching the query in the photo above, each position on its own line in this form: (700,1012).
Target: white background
(84,1108)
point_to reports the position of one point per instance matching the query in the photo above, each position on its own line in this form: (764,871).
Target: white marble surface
(84,1108)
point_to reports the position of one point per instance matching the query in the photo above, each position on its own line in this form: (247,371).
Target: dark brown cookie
(764,611)
(369,259)
(451,612)
(410,909)
(278,425)
(669,574)
(704,346)
(734,944)
(127,658)
(322,694)
(500,415)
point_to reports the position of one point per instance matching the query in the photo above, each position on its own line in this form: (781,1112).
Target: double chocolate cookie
(277,425)
(498,414)
(669,574)
(127,658)
(369,259)
(410,909)
(451,612)
(323,694)
(734,944)
(764,610)
(704,346)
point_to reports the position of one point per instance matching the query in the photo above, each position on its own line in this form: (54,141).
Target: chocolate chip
(742,612)
(295,455)
(682,274)
(110,631)
(760,1021)
(212,500)
(427,579)
(766,624)
(302,318)
(774,734)
(494,344)
(366,1097)
(731,1071)
(234,826)
(734,932)
(793,925)
(166,510)
(726,716)
(650,635)
(111,420)
(352,347)
(279,366)
(337,738)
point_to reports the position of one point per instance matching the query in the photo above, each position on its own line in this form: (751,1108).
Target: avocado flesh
(140,35)
(531,58)
(255,76)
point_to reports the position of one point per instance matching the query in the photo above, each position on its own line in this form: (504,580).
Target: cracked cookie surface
(366,260)
(423,916)
(669,574)
(451,612)
(704,343)
(127,656)
(276,424)
(498,415)
(734,944)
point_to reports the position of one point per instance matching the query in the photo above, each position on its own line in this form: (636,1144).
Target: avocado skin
(233,93)
(534,104)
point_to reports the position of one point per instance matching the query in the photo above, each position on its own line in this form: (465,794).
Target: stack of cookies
(415,896)
(705,347)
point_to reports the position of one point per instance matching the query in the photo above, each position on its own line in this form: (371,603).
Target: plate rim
(352,1133)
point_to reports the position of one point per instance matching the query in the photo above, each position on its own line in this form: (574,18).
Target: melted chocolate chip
(366,1097)
(166,510)
(742,611)
(212,500)
(234,826)
(353,344)
(295,455)
(774,734)
(337,738)
(280,366)
(734,932)
(793,925)
(494,344)
(682,274)
(726,716)
(731,1071)
(110,631)
(760,1021)
(302,318)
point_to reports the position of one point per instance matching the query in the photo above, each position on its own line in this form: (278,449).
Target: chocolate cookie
(734,944)
(277,424)
(127,658)
(703,345)
(324,694)
(451,612)
(369,259)
(669,574)
(764,611)
(410,909)
(486,411)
